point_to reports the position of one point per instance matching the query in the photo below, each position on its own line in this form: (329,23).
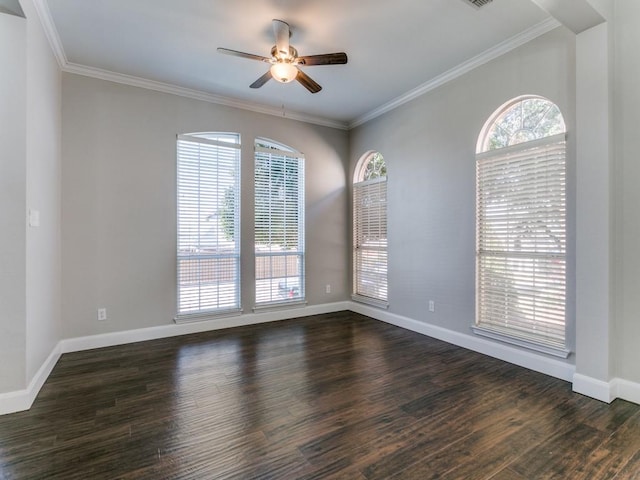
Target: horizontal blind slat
(370,239)
(521,240)
(208,222)
(279,225)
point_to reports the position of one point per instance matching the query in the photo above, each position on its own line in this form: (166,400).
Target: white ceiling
(395,48)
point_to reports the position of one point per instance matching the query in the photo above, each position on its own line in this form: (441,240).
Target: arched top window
(370,167)
(521,120)
(269,144)
(370,230)
(521,234)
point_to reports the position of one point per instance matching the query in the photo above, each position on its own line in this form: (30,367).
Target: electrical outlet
(327,288)
(102,314)
(432,306)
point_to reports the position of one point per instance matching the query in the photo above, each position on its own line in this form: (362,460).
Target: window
(521,226)
(279,224)
(370,230)
(208,223)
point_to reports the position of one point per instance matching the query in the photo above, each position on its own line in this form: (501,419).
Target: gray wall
(12,198)
(118,193)
(627,190)
(30,132)
(43,162)
(118,201)
(429,145)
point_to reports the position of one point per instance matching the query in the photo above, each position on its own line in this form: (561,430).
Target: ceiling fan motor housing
(277,56)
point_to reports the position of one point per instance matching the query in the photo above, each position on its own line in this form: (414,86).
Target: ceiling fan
(284,60)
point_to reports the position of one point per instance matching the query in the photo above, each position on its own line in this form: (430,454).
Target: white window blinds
(279,226)
(208,255)
(521,243)
(370,239)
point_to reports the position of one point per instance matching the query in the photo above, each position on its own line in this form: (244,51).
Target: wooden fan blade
(262,80)
(282,34)
(250,56)
(308,82)
(338,58)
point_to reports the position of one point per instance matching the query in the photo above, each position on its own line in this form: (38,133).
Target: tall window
(521,226)
(208,223)
(279,224)
(370,230)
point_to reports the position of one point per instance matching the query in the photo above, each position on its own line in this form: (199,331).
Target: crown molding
(56,45)
(485,57)
(198,95)
(51,32)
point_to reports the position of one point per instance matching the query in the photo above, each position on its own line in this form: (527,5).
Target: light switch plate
(34,218)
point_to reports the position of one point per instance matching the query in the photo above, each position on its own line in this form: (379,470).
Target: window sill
(370,301)
(538,347)
(204,316)
(280,305)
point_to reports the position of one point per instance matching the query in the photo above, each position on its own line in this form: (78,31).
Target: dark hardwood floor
(334,396)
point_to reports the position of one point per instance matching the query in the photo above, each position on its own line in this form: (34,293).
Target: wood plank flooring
(335,396)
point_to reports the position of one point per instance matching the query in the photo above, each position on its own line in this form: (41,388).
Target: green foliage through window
(528,119)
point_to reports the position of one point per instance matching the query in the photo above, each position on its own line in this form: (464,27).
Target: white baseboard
(21,400)
(607,391)
(173,330)
(626,390)
(591,387)
(548,365)
(594,388)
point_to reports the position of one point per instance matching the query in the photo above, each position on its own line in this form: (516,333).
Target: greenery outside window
(279,224)
(521,226)
(370,230)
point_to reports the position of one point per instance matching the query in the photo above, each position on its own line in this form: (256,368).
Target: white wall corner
(576,15)
(626,390)
(21,400)
(594,241)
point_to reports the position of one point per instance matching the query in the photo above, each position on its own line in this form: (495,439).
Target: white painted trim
(202,316)
(20,400)
(198,95)
(17,401)
(537,347)
(592,387)
(50,31)
(533,361)
(23,399)
(607,391)
(374,302)
(626,390)
(172,330)
(459,70)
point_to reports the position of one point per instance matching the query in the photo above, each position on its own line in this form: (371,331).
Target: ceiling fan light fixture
(284,72)
(284,66)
